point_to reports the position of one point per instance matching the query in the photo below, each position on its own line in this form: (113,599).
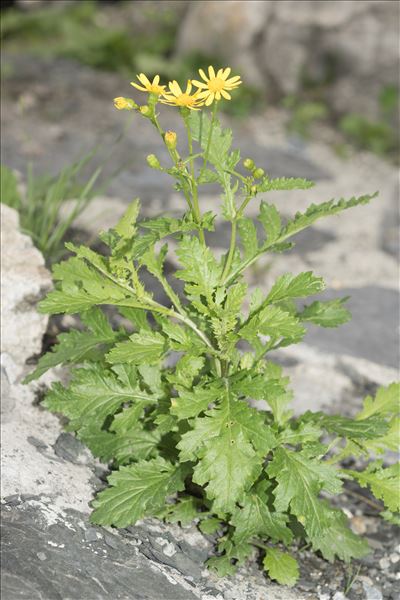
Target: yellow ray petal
(226,73)
(199,84)
(188,87)
(175,88)
(218,95)
(226,95)
(138,87)
(156,80)
(143,79)
(211,72)
(219,73)
(210,99)
(233,79)
(203,75)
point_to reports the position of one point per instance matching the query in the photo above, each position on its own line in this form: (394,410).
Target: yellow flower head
(124,103)
(170,138)
(152,87)
(175,97)
(217,85)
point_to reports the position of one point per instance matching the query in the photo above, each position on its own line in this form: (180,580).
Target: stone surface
(24,281)
(345,47)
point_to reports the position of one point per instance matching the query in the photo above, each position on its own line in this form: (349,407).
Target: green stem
(173,156)
(195,196)
(207,152)
(231,252)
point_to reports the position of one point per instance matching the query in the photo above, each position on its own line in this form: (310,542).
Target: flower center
(184,100)
(216,85)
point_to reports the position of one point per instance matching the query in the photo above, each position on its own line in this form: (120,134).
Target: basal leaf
(77,346)
(281,566)
(338,540)
(300,479)
(383,482)
(136,491)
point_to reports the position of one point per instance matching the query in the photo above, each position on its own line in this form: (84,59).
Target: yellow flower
(217,85)
(175,97)
(124,103)
(152,87)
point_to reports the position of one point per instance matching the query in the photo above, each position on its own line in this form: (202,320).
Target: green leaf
(367,429)
(338,540)
(201,271)
(281,566)
(383,482)
(77,346)
(222,565)
(94,393)
(145,347)
(126,226)
(294,286)
(211,525)
(230,441)
(300,478)
(191,403)
(220,143)
(271,221)
(386,402)
(324,209)
(187,368)
(248,236)
(274,322)
(136,491)
(183,511)
(284,183)
(389,441)
(326,314)
(254,518)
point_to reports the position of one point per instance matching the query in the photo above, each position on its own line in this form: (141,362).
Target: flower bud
(248,164)
(258,173)
(170,139)
(122,103)
(153,162)
(145,110)
(253,190)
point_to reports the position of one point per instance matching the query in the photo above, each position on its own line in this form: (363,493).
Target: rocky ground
(52,112)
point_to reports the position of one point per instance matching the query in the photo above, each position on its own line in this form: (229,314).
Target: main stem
(231,252)
(207,152)
(195,195)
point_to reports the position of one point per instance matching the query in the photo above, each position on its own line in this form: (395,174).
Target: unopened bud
(122,103)
(253,190)
(170,139)
(258,173)
(145,110)
(153,162)
(248,164)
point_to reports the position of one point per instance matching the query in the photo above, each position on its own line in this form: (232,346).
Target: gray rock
(25,281)
(91,535)
(69,448)
(74,570)
(372,592)
(348,47)
(372,332)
